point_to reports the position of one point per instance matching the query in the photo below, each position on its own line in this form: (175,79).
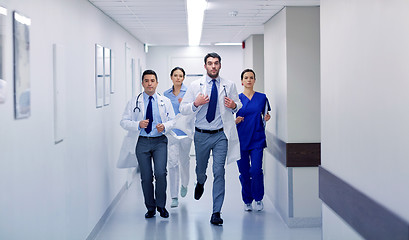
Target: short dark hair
(177,68)
(247,70)
(213,55)
(149,72)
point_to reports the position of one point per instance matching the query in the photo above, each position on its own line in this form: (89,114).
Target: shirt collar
(209,79)
(184,88)
(146,96)
(169,90)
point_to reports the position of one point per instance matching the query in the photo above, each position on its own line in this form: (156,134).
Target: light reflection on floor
(191,220)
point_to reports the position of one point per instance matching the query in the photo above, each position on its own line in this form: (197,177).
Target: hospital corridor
(302,105)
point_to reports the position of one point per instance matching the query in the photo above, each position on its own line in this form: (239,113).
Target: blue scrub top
(175,103)
(251,130)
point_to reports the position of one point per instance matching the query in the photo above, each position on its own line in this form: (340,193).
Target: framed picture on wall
(133,73)
(112,86)
(128,71)
(3,14)
(59,92)
(99,75)
(107,76)
(21,42)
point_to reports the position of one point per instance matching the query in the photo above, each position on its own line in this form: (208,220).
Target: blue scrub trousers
(251,175)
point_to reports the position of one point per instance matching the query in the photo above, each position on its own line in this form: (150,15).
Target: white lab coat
(227,114)
(178,160)
(130,122)
(175,142)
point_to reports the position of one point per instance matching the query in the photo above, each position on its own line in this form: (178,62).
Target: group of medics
(218,119)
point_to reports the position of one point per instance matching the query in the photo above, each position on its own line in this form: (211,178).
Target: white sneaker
(175,203)
(183,191)
(248,207)
(259,205)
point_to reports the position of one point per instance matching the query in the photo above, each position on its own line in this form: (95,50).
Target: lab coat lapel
(203,86)
(161,106)
(222,92)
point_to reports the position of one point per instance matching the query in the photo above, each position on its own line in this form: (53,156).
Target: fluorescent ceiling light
(3,11)
(195,12)
(228,44)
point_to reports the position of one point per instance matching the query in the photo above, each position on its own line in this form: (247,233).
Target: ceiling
(164,22)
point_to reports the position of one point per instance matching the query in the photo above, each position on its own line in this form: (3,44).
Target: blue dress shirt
(156,116)
(201,121)
(175,103)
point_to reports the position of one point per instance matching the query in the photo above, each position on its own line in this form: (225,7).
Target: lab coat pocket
(127,156)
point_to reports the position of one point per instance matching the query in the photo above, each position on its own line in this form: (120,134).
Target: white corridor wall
(60,191)
(364,87)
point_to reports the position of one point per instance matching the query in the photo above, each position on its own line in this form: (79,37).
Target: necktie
(211,110)
(149,115)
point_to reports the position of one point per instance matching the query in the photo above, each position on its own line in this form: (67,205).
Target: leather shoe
(216,219)
(163,212)
(199,191)
(150,214)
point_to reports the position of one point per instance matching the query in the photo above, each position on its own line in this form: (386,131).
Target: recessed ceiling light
(228,44)
(3,11)
(233,13)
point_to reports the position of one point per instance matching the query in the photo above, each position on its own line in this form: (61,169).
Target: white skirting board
(107,213)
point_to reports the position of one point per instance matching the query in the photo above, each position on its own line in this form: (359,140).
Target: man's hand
(239,120)
(143,123)
(160,127)
(201,99)
(229,103)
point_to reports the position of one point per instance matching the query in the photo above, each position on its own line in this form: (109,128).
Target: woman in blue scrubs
(250,127)
(179,143)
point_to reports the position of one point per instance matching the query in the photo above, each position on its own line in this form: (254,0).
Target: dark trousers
(148,151)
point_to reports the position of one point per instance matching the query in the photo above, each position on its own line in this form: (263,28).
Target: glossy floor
(191,219)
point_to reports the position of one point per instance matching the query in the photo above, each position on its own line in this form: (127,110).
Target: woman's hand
(239,120)
(267,117)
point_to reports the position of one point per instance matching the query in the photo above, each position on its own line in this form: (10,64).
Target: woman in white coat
(179,143)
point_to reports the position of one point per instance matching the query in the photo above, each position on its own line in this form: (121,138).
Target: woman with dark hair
(179,142)
(250,127)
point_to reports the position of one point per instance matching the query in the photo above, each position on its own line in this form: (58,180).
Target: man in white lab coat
(213,101)
(148,117)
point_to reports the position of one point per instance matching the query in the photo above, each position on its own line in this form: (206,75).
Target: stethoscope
(137,100)
(224,89)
